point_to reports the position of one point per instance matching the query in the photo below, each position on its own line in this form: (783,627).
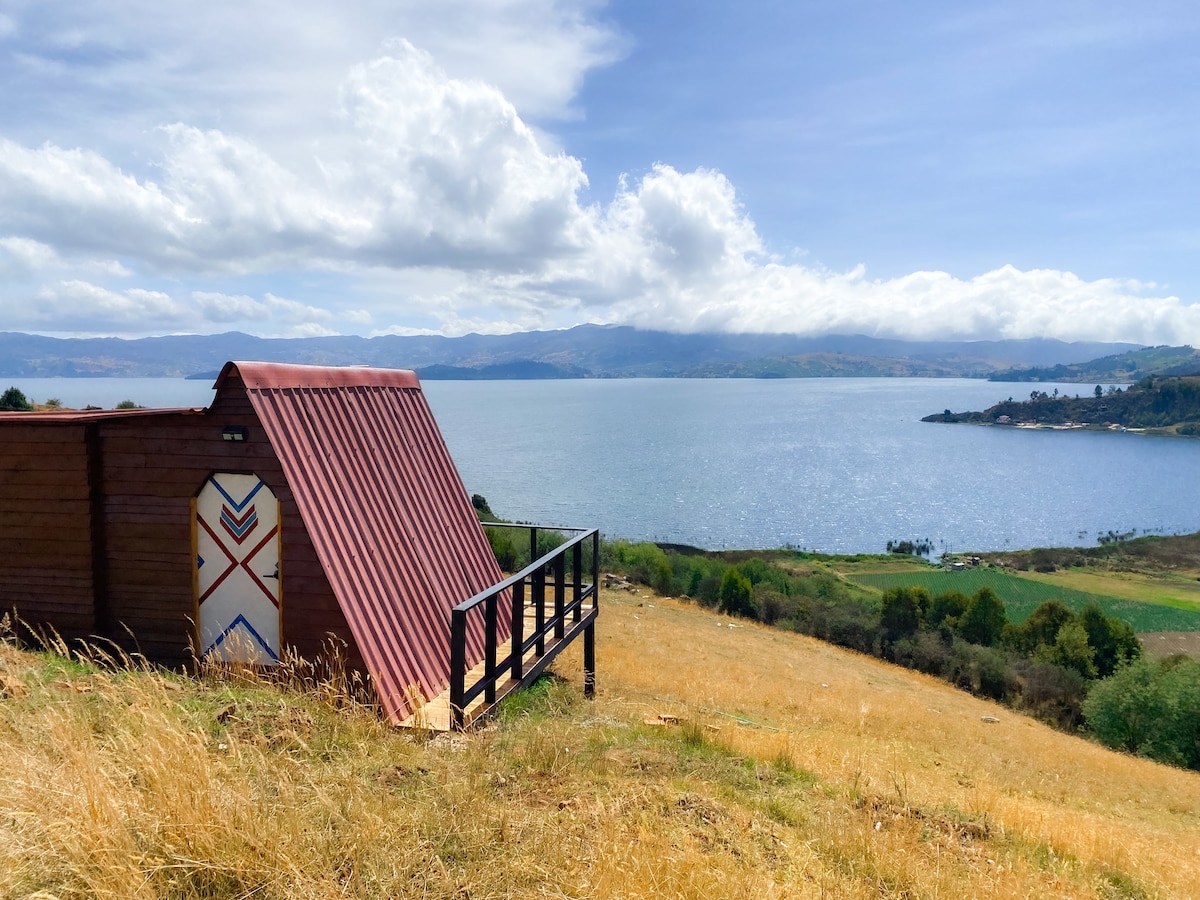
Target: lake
(830,464)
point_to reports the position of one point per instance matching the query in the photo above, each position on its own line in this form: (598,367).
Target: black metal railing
(553,628)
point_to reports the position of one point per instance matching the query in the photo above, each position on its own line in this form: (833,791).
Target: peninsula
(1164,405)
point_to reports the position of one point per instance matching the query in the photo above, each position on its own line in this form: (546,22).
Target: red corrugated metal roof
(268,376)
(384,507)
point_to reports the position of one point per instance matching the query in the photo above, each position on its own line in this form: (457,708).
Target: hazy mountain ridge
(595,351)
(1131,366)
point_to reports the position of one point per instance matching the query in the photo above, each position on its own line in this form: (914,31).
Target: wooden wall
(45,526)
(146,471)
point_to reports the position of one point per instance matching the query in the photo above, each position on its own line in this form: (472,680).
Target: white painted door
(237,570)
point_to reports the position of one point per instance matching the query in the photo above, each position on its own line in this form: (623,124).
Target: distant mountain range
(1131,366)
(586,351)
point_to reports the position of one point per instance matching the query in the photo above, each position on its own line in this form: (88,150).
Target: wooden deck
(435,714)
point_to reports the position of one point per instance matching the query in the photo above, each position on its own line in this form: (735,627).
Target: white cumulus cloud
(400,173)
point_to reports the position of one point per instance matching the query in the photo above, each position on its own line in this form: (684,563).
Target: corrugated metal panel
(385,508)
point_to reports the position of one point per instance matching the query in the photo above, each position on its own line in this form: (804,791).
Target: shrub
(1113,640)
(1050,692)
(642,561)
(1070,650)
(1040,629)
(844,621)
(947,607)
(504,548)
(1152,709)
(925,651)
(899,614)
(736,596)
(772,606)
(708,591)
(13,400)
(981,670)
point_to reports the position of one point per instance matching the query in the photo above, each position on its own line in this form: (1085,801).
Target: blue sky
(923,170)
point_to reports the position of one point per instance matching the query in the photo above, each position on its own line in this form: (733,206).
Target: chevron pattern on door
(237,570)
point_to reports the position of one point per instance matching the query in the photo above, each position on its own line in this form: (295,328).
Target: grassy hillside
(798,770)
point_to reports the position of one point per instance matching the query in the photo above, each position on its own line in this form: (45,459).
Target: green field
(1022,596)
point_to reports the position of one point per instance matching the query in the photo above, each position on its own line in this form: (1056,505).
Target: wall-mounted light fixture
(235,433)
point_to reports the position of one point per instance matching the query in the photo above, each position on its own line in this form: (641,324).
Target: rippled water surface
(828,464)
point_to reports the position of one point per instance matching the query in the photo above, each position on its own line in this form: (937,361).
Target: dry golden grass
(798,770)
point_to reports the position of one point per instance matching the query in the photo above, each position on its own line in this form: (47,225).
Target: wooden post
(458,667)
(539,609)
(589,661)
(589,633)
(518,630)
(596,570)
(560,590)
(577,564)
(489,627)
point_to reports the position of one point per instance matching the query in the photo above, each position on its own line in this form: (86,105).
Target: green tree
(946,608)
(983,621)
(899,614)
(13,400)
(737,595)
(1070,650)
(662,577)
(1152,709)
(1040,629)
(1113,640)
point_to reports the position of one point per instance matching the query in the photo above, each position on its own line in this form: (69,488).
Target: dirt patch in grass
(1162,644)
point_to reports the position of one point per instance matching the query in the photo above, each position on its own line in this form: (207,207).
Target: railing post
(489,627)
(577,565)
(458,667)
(518,631)
(533,554)
(560,591)
(589,661)
(539,609)
(596,569)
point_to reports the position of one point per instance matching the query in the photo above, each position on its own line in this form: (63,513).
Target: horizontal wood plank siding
(45,527)
(151,472)
(150,468)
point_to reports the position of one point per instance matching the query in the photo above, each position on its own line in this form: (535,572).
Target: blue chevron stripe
(239,530)
(241,620)
(234,503)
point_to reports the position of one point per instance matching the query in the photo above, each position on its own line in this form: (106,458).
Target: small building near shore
(305,503)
